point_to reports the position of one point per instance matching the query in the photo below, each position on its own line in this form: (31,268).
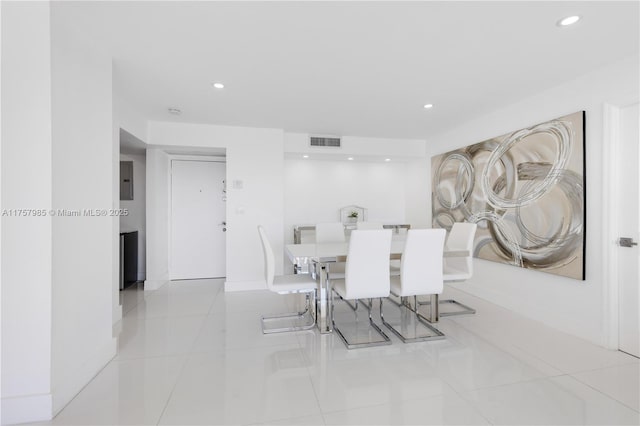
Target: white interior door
(198,219)
(629,227)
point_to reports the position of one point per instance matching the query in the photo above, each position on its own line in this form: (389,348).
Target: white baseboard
(25,409)
(154,284)
(74,380)
(244,285)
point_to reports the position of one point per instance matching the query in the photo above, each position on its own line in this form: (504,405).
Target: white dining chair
(394,265)
(376,225)
(369,225)
(287,284)
(366,276)
(331,233)
(457,269)
(420,274)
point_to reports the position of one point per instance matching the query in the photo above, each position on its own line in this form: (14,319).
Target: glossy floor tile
(173,304)
(189,353)
(446,409)
(240,387)
(469,361)
(556,401)
(144,338)
(125,392)
(620,382)
(559,350)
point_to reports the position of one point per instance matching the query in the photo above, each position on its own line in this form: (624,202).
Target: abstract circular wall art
(526,192)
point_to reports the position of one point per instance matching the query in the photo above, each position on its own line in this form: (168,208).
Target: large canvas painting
(526,192)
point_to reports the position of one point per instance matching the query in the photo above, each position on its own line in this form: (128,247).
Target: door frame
(185,157)
(610,196)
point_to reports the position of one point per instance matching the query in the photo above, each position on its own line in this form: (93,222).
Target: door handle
(626,242)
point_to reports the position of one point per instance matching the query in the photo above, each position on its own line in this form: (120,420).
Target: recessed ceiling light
(427,106)
(387,159)
(218,85)
(175,111)
(350,158)
(305,156)
(569,20)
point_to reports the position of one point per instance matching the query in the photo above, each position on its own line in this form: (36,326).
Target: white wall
(157,217)
(418,194)
(116,307)
(57,271)
(1,205)
(254,157)
(136,219)
(127,115)
(82,178)
(26,183)
(315,191)
(573,306)
(317,187)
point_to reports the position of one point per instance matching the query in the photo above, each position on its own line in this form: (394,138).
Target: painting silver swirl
(525,190)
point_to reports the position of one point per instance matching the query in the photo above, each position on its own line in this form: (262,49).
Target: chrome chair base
(310,303)
(355,345)
(435,333)
(466,310)
(354,306)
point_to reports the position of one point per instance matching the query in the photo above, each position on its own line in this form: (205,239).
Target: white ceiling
(348,68)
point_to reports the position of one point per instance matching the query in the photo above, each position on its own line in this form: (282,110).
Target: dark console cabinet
(128,258)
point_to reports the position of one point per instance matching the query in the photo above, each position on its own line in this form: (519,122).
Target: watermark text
(64,212)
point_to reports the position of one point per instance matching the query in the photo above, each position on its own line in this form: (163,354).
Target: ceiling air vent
(325,141)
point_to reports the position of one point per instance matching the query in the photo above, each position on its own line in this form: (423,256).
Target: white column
(26,184)
(83,159)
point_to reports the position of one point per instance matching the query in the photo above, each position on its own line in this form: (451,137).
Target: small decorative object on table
(352,214)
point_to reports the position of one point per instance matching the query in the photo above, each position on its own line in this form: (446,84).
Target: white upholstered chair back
(269,260)
(461,238)
(421,263)
(330,232)
(367,269)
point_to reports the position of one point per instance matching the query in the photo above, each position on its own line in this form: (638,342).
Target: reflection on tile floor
(189,353)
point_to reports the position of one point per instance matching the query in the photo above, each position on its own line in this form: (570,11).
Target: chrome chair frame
(372,273)
(466,310)
(437,334)
(287,284)
(386,340)
(310,302)
(423,248)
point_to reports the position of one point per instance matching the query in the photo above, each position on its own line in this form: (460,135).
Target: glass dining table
(320,257)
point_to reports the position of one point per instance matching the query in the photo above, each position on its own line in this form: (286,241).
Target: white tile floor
(191,354)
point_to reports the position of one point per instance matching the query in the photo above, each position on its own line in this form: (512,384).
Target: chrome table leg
(324,299)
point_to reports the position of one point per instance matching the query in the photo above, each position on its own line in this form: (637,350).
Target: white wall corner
(231,286)
(28,408)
